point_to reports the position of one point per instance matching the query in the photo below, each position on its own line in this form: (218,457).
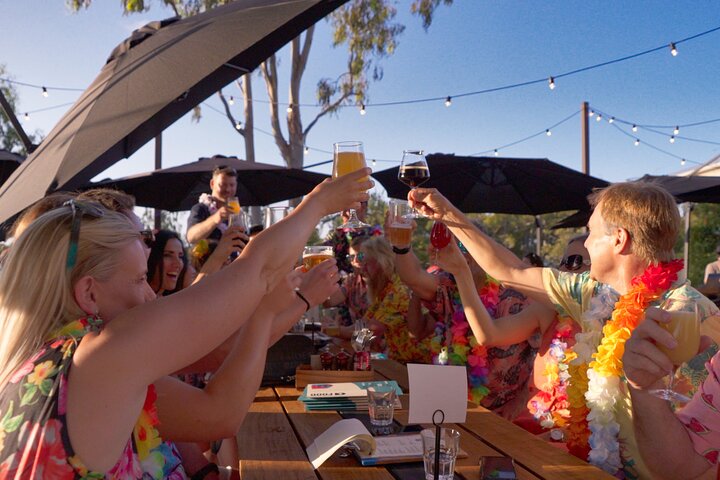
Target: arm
(499,332)
(662,439)
(204,228)
(233,240)
(495,259)
(420,325)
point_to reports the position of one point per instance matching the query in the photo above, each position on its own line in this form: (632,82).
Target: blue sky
(472,45)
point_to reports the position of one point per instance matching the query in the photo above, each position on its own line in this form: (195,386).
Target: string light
(26,116)
(637,142)
(551,83)
(373,162)
(672,138)
(548,132)
(591,113)
(289,108)
(611,120)
(362,109)
(238,126)
(307,150)
(673,49)
(676,130)
(231,101)
(496,152)
(682,162)
(448,101)
(598,118)
(634,128)
(44,92)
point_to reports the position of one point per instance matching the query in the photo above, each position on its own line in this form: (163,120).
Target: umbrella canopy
(501,185)
(178,188)
(9,162)
(688,189)
(154,78)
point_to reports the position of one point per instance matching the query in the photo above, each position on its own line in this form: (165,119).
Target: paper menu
(340,433)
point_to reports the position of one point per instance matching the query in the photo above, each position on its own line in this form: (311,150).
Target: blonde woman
(84,360)
(388,300)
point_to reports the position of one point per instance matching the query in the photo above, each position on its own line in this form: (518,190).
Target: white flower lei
(212,206)
(602,392)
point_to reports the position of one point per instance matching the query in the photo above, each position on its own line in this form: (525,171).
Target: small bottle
(327,358)
(362,361)
(342,360)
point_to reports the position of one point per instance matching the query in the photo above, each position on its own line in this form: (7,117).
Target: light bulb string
(444,97)
(665,152)
(529,137)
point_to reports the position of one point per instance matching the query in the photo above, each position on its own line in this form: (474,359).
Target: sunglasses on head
(78,209)
(352,256)
(574,262)
(148,237)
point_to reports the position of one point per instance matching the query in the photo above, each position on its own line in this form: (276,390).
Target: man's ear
(84,293)
(212,183)
(622,240)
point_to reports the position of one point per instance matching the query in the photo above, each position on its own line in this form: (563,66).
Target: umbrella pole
(158,166)
(538,236)
(29,146)
(686,250)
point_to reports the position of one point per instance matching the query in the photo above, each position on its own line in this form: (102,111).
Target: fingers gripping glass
(574,262)
(413,171)
(347,158)
(78,210)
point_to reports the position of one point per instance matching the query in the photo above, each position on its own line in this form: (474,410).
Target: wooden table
(277,430)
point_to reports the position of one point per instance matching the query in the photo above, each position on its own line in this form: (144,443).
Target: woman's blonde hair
(36,288)
(379,249)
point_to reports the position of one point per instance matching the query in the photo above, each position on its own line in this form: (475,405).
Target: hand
(337,194)
(644,364)
(233,240)
(221,215)
(283,295)
(429,202)
(320,282)
(450,258)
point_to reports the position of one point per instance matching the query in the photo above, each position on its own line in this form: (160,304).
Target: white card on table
(434,387)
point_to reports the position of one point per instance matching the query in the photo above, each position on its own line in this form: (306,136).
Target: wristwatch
(401,251)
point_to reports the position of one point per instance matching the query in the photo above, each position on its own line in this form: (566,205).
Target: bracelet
(401,251)
(300,296)
(205,471)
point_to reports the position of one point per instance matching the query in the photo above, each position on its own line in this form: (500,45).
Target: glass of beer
(413,171)
(347,158)
(399,230)
(684,325)
(316,254)
(236,214)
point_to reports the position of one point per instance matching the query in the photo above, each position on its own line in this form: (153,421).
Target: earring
(94,320)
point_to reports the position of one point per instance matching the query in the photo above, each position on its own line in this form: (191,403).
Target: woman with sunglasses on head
(84,354)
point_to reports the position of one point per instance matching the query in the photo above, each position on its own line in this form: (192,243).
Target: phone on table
(497,468)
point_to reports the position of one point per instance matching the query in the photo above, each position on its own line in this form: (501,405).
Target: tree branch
(330,108)
(229,114)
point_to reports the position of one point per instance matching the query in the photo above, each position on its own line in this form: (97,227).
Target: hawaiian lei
(603,373)
(462,346)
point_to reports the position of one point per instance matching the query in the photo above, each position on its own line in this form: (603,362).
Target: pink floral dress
(34,442)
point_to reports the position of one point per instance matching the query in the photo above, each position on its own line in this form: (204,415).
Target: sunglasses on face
(352,256)
(148,237)
(574,262)
(78,209)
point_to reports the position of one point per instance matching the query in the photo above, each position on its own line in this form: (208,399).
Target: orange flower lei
(603,383)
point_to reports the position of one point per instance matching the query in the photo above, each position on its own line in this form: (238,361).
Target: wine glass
(413,171)
(684,325)
(347,158)
(440,237)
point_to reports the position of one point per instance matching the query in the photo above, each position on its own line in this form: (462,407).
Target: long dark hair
(155,260)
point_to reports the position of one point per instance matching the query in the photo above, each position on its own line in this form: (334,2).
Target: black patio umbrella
(178,188)
(156,76)
(9,162)
(501,185)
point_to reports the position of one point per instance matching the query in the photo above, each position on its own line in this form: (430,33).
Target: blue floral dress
(34,442)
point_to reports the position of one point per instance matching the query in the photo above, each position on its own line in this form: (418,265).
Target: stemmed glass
(413,171)
(440,237)
(347,158)
(684,325)
(236,214)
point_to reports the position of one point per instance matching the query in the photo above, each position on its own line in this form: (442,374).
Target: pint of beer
(399,234)
(316,254)
(399,230)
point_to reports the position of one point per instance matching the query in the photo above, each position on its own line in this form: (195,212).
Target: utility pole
(585,132)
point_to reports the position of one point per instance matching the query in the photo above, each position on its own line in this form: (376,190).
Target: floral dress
(34,441)
(391,310)
(497,376)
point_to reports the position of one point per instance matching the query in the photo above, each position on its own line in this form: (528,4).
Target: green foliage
(426,8)
(9,139)
(704,237)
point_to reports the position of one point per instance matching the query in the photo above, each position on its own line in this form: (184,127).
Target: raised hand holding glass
(349,157)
